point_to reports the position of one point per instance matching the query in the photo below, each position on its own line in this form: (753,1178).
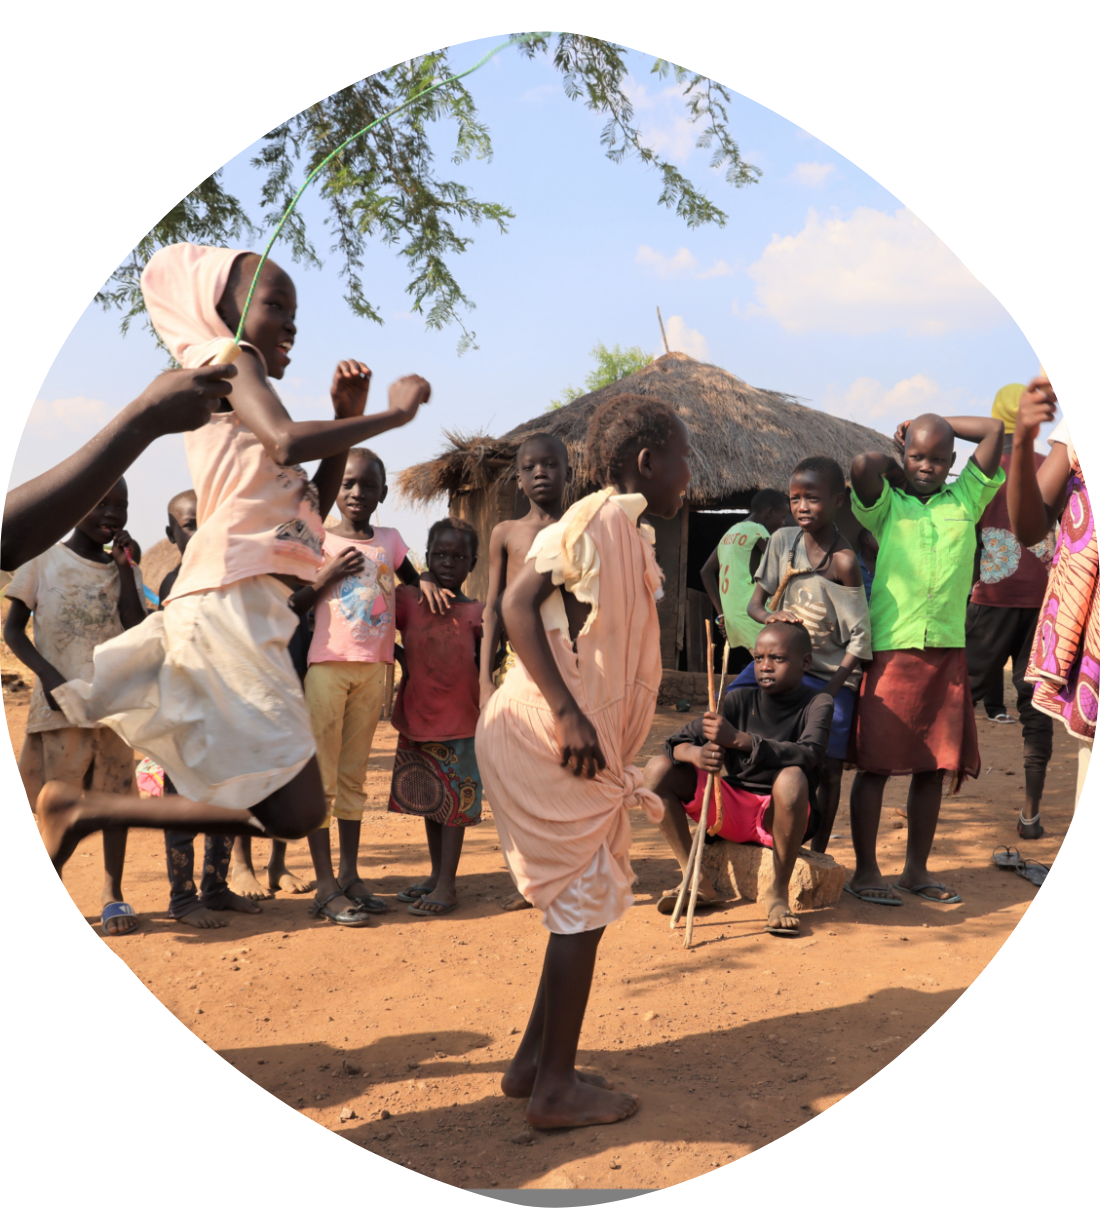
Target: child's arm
(868,472)
(848,574)
(491,624)
(805,752)
(347,562)
(988,434)
(1035,497)
(438,598)
(15,634)
(288,442)
(709,576)
(131,611)
(520,604)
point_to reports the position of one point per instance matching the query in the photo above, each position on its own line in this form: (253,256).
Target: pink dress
(567,839)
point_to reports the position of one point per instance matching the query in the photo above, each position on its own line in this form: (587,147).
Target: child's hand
(717,730)
(406,395)
(53,679)
(720,622)
(580,745)
(182,400)
(350,386)
(347,562)
(710,759)
(438,598)
(899,436)
(784,614)
(122,549)
(1037,406)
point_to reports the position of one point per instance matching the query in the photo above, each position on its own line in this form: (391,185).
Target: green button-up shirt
(925,563)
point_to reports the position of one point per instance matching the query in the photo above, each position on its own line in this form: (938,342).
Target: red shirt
(440,693)
(1012,576)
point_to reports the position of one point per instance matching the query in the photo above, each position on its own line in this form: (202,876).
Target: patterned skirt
(1065,657)
(437,781)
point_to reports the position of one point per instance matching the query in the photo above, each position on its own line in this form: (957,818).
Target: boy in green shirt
(915,715)
(728,574)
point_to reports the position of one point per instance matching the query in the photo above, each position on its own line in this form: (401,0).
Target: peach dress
(566,838)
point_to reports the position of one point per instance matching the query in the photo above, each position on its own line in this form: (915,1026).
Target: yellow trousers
(345,702)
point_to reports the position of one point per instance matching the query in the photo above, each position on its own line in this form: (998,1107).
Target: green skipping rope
(513,41)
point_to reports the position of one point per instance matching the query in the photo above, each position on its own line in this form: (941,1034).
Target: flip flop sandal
(666,903)
(355,917)
(1033,871)
(1007,857)
(369,901)
(785,932)
(421,913)
(414,893)
(918,892)
(118,910)
(884,898)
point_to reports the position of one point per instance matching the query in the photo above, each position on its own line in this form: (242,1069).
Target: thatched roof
(742,438)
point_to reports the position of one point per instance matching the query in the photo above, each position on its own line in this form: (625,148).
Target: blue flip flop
(118,910)
(918,892)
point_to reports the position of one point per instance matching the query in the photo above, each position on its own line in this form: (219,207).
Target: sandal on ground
(666,904)
(444,908)
(355,917)
(1004,719)
(1033,871)
(883,895)
(785,932)
(369,901)
(918,892)
(1029,828)
(118,910)
(414,893)
(1007,857)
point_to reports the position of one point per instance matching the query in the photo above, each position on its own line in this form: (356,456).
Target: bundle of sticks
(695,857)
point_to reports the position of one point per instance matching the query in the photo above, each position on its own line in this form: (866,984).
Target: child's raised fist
(407,394)
(350,386)
(1037,406)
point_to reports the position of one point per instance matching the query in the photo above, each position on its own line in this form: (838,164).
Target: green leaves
(385,187)
(611,365)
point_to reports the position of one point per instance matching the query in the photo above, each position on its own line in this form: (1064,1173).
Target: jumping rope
(230,352)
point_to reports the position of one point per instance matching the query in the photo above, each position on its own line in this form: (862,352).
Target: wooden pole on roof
(664,338)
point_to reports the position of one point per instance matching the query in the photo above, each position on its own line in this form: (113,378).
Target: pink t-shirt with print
(354,616)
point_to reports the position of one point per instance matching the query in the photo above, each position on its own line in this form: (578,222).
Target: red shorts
(742,812)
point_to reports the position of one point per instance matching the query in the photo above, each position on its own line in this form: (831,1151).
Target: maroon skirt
(915,715)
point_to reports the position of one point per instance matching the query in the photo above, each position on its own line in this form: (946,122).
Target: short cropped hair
(369,455)
(620,429)
(825,467)
(798,637)
(769,500)
(547,438)
(187,496)
(454,525)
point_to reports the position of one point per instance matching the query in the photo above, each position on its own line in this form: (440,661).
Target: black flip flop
(1010,860)
(414,893)
(370,902)
(1033,871)
(421,913)
(887,900)
(355,917)
(785,932)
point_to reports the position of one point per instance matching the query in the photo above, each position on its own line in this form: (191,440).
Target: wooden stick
(696,865)
(718,816)
(664,338)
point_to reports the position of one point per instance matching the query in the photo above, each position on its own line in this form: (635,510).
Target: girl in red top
(435,775)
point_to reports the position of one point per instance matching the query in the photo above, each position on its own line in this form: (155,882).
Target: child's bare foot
(234,901)
(519,1080)
(58,810)
(577,1103)
(707,896)
(516,902)
(203,918)
(242,881)
(284,880)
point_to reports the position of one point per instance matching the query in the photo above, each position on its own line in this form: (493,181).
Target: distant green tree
(385,188)
(611,365)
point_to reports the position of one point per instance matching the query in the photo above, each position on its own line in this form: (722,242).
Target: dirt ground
(395,1036)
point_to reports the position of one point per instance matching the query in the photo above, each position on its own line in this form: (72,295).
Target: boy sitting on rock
(766,746)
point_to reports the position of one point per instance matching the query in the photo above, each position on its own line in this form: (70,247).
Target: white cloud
(869,402)
(664,126)
(872,272)
(682,338)
(681,264)
(77,414)
(813,175)
(541,93)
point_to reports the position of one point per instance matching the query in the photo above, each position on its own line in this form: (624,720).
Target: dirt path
(729,1045)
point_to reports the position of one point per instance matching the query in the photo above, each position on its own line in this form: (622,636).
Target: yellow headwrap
(1006,405)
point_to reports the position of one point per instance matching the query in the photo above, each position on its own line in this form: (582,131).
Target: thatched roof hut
(743,439)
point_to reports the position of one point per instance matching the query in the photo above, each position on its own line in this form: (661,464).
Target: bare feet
(518,1082)
(516,902)
(234,901)
(58,809)
(708,896)
(578,1103)
(285,881)
(780,920)
(242,881)
(203,918)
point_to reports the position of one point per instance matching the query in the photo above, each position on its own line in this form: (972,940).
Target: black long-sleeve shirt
(789,729)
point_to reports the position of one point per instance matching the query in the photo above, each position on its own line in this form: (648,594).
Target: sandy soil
(395,1036)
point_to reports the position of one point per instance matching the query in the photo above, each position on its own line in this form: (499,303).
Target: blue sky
(821,285)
